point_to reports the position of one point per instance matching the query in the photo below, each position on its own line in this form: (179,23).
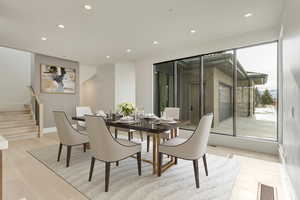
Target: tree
(266,98)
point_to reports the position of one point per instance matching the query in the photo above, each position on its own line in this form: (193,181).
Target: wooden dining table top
(147,125)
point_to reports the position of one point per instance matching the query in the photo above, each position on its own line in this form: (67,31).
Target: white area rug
(177,182)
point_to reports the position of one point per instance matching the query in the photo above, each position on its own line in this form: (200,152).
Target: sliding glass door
(238,86)
(164,84)
(188,90)
(218,90)
(257,92)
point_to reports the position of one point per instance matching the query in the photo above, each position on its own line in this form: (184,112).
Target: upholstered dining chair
(172,113)
(68,135)
(193,148)
(81,111)
(169,113)
(106,148)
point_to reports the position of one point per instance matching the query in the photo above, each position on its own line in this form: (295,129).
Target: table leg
(157,151)
(116,133)
(154,144)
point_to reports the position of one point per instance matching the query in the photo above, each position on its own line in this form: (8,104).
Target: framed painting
(57,79)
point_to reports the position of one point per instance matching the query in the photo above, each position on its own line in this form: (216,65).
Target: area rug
(177,182)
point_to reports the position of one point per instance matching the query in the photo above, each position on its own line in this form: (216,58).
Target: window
(257,91)
(239,86)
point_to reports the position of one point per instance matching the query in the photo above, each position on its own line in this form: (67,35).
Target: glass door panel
(164,97)
(257,91)
(188,91)
(218,90)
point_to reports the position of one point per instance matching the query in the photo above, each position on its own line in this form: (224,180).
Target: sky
(262,59)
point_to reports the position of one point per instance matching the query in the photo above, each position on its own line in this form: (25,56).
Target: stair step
(17,123)
(22,136)
(18,129)
(15,117)
(12,124)
(14,112)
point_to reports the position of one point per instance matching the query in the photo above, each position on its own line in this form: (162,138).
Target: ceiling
(112,26)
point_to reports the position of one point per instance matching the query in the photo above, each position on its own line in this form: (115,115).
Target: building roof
(227,58)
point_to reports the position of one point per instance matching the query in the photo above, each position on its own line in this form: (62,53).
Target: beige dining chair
(68,135)
(81,111)
(193,148)
(106,148)
(169,113)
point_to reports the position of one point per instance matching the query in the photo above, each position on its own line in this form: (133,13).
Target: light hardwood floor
(28,179)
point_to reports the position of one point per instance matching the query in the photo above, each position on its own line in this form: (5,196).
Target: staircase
(18,124)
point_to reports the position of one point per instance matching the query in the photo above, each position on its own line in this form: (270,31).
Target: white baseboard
(49,130)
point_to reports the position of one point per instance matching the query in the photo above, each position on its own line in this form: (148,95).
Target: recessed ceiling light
(155,42)
(128,50)
(60,26)
(43,38)
(192,31)
(87,7)
(248,15)
(107,57)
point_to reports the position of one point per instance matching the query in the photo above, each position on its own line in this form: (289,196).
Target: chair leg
(205,164)
(69,148)
(160,157)
(59,152)
(107,173)
(92,168)
(129,136)
(148,142)
(139,163)
(117,163)
(196,172)
(116,133)
(84,147)
(141,134)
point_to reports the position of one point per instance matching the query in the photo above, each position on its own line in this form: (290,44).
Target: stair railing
(37,111)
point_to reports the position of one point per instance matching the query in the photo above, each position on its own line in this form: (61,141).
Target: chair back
(172,112)
(103,145)
(199,140)
(65,130)
(81,111)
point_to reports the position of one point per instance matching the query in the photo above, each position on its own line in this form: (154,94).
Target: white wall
(111,85)
(15,72)
(86,72)
(291,93)
(124,83)
(99,91)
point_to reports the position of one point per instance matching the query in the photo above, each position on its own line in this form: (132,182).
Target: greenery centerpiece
(126,108)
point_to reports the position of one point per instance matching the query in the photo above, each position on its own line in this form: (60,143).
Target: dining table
(153,127)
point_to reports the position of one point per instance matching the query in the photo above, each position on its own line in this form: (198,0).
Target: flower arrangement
(126,108)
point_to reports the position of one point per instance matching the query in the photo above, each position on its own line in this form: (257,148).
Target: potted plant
(126,108)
